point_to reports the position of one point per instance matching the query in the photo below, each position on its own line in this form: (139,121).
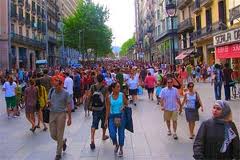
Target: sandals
(116,148)
(105,138)
(120,154)
(175,136)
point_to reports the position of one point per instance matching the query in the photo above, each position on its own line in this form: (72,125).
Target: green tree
(127,45)
(86,29)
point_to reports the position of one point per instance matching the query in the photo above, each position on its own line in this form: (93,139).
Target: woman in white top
(10,96)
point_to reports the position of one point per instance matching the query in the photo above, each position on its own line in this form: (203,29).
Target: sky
(121,20)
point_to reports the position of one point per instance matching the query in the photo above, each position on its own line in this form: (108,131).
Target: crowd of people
(109,89)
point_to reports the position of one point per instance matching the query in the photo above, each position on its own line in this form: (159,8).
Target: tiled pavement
(148,142)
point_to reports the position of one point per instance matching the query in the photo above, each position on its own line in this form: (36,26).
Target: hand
(202,109)
(180,111)
(49,103)
(69,122)
(162,108)
(106,123)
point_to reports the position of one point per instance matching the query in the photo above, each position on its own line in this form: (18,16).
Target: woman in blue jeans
(115,104)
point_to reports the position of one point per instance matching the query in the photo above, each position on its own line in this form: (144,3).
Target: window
(198,22)
(209,20)
(27,33)
(183,16)
(20,30)
(222,12)
(184,40)
(158,14)
(12,28)
(33,35)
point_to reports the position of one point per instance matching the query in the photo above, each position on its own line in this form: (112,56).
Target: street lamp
(171,12)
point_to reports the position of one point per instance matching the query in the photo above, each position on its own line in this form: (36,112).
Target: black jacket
(209,141)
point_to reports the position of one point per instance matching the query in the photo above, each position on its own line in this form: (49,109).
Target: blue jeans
(113,130)
(218,90)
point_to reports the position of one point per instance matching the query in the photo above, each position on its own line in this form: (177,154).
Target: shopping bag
(46,113)
(140,90)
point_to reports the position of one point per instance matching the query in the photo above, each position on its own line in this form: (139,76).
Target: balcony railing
(52,26)
(27,41)
(183,3)
(206,3)
(163,34)
(185,25)
(235,13)
(52,39)
(206,32)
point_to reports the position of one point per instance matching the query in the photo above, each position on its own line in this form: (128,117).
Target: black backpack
(97,99)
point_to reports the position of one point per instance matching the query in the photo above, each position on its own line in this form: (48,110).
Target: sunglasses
(170,82)
(190,86)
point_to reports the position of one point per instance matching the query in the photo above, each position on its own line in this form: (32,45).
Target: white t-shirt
(68,85)
(9,89)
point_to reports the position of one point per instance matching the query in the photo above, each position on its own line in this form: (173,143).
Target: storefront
(227,48)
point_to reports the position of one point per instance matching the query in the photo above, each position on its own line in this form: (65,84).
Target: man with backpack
(99,93)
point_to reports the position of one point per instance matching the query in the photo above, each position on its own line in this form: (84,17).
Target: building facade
(185,29)
(30,29)
(144,10)
(227,43)
(166,36)
(210,19)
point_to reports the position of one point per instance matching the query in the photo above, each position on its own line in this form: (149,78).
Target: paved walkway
(149,141)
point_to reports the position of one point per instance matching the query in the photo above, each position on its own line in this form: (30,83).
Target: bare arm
(107,100)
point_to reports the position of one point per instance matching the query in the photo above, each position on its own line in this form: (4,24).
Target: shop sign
(226,38)
(228,51)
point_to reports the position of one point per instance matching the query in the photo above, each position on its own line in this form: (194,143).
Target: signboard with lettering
(228,51)
(232,36)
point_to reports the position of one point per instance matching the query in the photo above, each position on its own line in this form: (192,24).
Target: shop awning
(228,51)
(181,56)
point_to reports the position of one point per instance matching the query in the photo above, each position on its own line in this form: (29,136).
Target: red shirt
(150,81)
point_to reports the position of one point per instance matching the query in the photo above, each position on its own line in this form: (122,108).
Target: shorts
(11,102)
(150,90)
(170,115)
(76,92)
(97,116)
(133,92)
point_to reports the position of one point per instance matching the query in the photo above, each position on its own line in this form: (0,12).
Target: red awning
(181,56)
(228,51)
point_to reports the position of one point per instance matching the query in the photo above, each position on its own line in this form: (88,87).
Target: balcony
(197,7)
(52,26)
(206,3)
(27,41)
(164,34)
(185,25)
(21,20)
(235,13)
(20,2)
(27,6)
(28,22)
(207,32)
(181,4)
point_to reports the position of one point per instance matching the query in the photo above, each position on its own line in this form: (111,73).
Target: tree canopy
(127,45)
(86,29)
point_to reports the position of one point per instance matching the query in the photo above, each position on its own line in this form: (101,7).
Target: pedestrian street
(148,142)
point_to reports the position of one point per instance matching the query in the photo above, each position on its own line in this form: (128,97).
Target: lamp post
(171,12)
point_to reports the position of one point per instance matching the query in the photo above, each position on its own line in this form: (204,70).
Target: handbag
(46,113)
(117,122)
(197,102)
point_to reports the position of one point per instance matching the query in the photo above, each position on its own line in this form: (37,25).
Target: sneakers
(58,157)
(64,144)
(92,146)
